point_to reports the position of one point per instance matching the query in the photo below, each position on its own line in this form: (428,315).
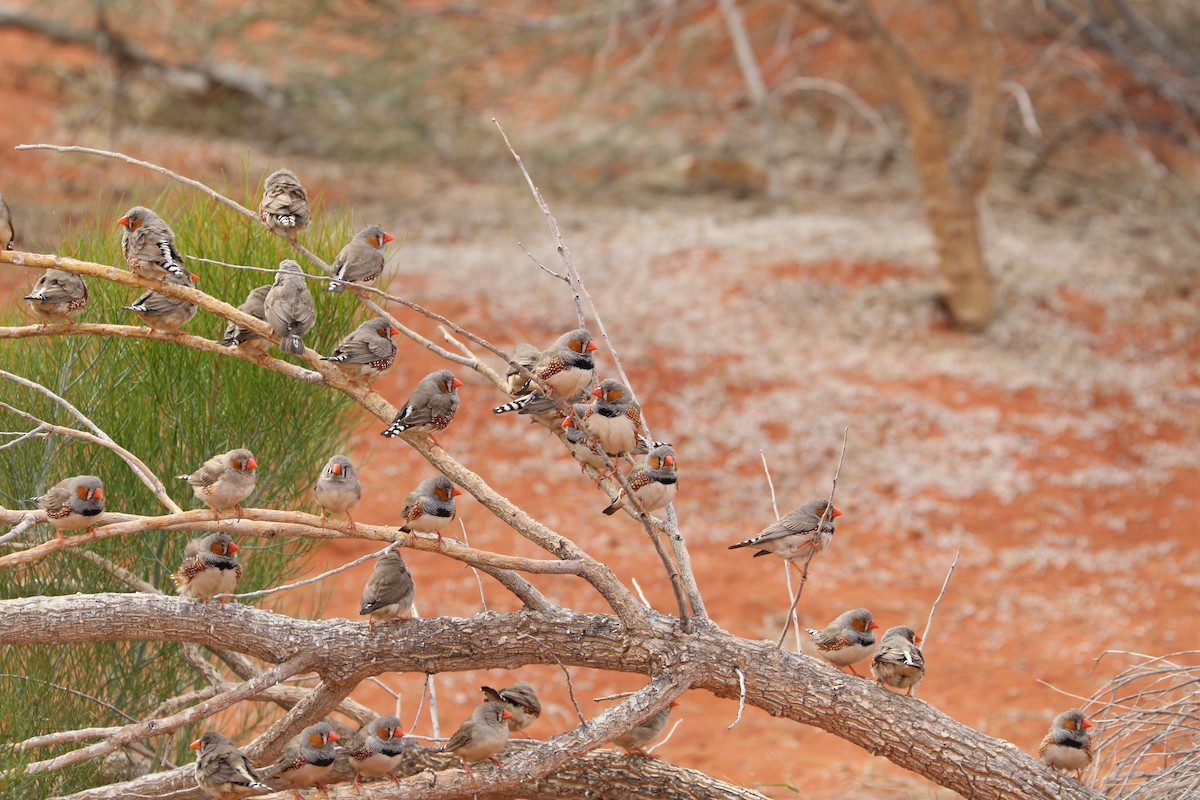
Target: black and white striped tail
(336,359)
(645,445)
(286,220)
(395,429)
(515,405)
(169,262)
(745,543)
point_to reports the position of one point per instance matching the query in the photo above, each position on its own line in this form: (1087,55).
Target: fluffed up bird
(639,736)
(210,567)
(482,736)
(389,592)
(163,313)
(614,418)
(57,296)
(430,507)
(585,449)
(360,261)
(1068,745)
(255,306)
(289,307)
(222,771)
(795,534)
(898,661)
(521,701)
(846,640)
(73,503)
(527,356)
(149,245)
(308,758)
(654,481)
(368,351)
(376,749)
(430,407)
(284,204)
(8,233)
(565,368)
(224,481)
(338,490)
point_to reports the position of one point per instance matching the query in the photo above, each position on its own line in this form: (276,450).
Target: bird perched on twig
(846,640)
(565,368)
(255,306)
(429,408)
(639,736)
(794,536)
(224,481)
(482,736)
(284,204)
(521,701)
(376,749)
(614,418)
(898,662)
(308,758)
(527,356)
(338,490)
(1068,745)
(430,507)
(389,592)
(585,449)
(149,245)
(8,233)
(289,307)
(57,296)
(163,313)
(73,503)
(654,481)
(223,771)
(368,351)
(210,567)
(360,261)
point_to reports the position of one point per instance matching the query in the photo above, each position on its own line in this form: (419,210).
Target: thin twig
(478,579)
(787,567)
(741,697)
(665,739)
(287,587)
(27,522)
(420,704)
(812,552)
(566,672)
(617,696)
(945,583)
(69,690)
(375,680)
(641,595)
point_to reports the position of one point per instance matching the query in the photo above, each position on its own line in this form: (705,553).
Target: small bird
(847,639)
(289,307)
(376,749)
(255,306)
(795,535)
(284,204)
(307,758)
(368,351)
(430,407)
(639,736)
(430,507)
(653,481)
(898,662)
(521,701)
(165,313)
(58,295)
(8,233)
(527,356)
(565,368)
(1068,745)
(210,567)
(482,736)
(149,245)
(360,261)
(222,771)
(73,503)
(224,481)
(338,490)
(389,592)
(585,449)
(614,418)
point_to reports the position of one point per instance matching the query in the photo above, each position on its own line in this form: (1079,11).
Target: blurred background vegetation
(174,407)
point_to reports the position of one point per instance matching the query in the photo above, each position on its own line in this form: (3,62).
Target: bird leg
(496,761)
(393,777)
(322,789)
(853,670)
(353,527)
(358,785)
(238,508)
(298,795)
(216,514)
(467,767)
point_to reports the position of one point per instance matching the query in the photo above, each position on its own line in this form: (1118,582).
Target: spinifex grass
(173,407)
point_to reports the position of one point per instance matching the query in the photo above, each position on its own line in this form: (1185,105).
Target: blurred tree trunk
(952,174)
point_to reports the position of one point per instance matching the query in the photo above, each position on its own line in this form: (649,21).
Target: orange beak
(674,704)
(252,464)
(591,346)
(455,492)
(836,513)
(98,493)
(233,548)
(336,469)
(196,744)
(333,737)
(1087,723)
(387,237)
(195,278)
(872,625)
(506,715)
(919,639)
(394,331)
(125,221)
(669,461)
(569,422)
(455,383)
(597,392)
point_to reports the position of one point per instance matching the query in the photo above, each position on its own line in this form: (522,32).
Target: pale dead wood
(933,609)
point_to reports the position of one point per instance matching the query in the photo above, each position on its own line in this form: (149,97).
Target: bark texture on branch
(905,730)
